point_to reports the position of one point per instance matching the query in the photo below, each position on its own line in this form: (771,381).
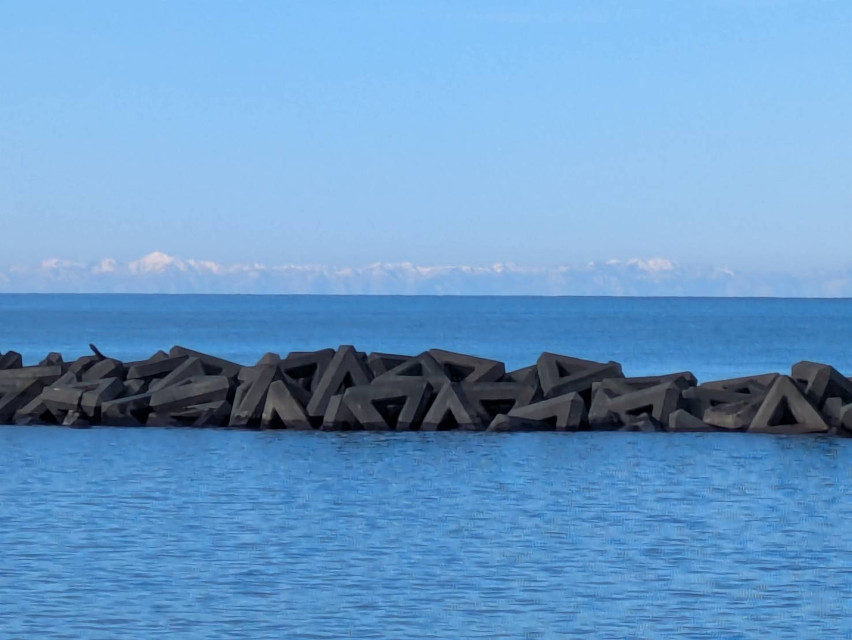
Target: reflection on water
(197,534)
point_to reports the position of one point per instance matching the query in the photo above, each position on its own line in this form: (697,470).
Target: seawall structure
(345,389)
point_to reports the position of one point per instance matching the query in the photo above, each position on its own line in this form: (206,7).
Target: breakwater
(344,389)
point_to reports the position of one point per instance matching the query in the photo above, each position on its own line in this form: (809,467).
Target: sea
(190,533)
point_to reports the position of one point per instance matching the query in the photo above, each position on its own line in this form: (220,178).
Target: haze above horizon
(714,132)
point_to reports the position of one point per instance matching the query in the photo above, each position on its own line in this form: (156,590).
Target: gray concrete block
(681,421)
(52,358)
(212,366)
(338,416)
(562,374)
(76,420)
(284,408)
(96,393)
(155,368)
(307,367)
(198,390)
(11,360)
(451,409)
(786,410)
(66,379)
(12,401)
(84,398)
(750,385)
(844,420)
(380,363)
(61,400)
(106,368)
(490,399)
(127,411)
(394,404)
(620,386)
(529,390)
(732,417)
(657,401)
(34,412)
(269,358)
(9,378)
(697,400)
(205,414)
(250,399)
(421,366)
(643,423)
(190,368)
(519,375)
(345,370)
(81,365)
(460,367)
(562,413)
(821,381)
(134,387)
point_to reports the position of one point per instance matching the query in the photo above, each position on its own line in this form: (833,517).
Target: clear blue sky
(704,131)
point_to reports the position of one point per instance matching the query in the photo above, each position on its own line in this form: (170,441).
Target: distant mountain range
(158,272)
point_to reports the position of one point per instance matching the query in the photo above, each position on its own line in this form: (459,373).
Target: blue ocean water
(184,533)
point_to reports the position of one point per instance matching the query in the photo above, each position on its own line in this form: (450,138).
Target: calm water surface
(150,533)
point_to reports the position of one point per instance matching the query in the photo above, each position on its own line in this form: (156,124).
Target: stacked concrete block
(437,390)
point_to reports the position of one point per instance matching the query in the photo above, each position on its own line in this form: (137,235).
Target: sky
(713,133)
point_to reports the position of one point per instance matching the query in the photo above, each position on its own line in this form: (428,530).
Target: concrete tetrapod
(435,390)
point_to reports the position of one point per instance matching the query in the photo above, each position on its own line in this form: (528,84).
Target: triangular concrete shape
(450,410)
(562,374)
(345,370)
(786,410)
(398,404)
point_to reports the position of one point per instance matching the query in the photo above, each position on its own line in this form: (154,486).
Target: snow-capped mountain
(158,272)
